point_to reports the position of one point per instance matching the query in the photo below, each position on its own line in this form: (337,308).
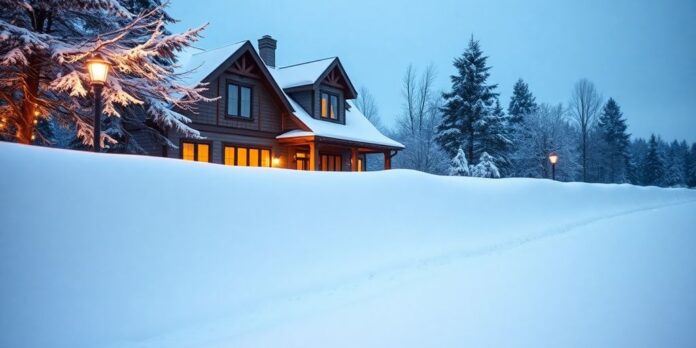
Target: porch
(328,154)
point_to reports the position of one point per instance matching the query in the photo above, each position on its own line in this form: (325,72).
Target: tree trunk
(29,107)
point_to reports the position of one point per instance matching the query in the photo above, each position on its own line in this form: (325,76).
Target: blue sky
(641,53)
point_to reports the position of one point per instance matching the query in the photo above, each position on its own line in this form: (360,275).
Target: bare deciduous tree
(418,123)
(367,104)
(585,103)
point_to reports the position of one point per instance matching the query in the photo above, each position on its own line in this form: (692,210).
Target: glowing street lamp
(98,69)
(553,158)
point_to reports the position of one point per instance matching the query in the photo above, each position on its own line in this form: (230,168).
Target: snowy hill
(104,250)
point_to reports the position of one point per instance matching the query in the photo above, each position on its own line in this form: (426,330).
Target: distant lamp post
(553,158)
(98,69)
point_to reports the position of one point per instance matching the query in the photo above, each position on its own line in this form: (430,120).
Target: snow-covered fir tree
(486,167)
(653,167)
(44,46)
(459,166)
(522,102)
(615,142)
(675,165)
(691,167)
(495,137)
(468,106)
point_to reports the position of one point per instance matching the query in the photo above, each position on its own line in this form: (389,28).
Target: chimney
(267,48)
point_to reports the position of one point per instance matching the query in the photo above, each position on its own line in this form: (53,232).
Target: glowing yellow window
(253,157)
(360,165)
(324,105)
(203,153)
(229,156)
(242,156)
(265,158)
(188,152)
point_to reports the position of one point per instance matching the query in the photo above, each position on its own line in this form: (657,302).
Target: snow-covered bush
(459,165)
(486,167)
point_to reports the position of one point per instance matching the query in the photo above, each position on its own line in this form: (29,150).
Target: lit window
(238,100)
(330,163)
(265,158)
(229,156)
(302,159)
(360,164)
(199,152)
(188,152)
(247,156)
(242,158)
(329,106)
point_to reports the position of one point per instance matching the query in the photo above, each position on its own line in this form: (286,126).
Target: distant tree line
(466,132)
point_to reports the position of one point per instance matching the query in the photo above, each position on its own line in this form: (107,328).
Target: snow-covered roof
(357,128)
(302,74)
(196,64)
(199,64)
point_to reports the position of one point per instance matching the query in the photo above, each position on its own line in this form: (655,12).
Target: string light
(36,121)
(33,137)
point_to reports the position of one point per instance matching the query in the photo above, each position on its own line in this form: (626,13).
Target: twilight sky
(642,53)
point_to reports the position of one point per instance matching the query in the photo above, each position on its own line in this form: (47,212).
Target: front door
(302,160)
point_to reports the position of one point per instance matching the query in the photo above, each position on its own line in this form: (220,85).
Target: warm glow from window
(203,153)
(360,165)
(276,161)
(247,156)
(266,158)
(330,163)
(229,156)
(253,157)
(324,104)
(187,151)
(242,156)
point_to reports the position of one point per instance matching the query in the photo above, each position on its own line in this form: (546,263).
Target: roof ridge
(309,62)
(218,48)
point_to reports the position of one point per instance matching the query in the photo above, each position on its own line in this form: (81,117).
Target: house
(299,116)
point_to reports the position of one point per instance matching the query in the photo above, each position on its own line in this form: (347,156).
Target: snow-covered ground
(124,251)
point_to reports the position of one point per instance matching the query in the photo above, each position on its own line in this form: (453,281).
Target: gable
(335,76)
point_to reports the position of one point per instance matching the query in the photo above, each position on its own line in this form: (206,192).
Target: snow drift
(102,250)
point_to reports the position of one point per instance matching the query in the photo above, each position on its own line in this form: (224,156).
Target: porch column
(387,160)
(313,156)
(354,159)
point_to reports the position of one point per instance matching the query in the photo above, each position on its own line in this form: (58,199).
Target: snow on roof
(196,64)
(357,128)
(302,74)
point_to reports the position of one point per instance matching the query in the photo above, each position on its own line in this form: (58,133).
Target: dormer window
(329,106)
(238,100)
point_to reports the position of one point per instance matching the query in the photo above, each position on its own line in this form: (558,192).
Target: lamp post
(553,158)
(98,69)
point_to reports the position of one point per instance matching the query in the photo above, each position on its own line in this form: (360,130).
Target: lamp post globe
(98,70)
(553,158)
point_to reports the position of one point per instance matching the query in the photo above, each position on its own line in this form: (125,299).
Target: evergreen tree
(486,167)
(653,167)
(675,165)
(522,102)
(44,47)
(468,105)
(614,150)
(495,138)
(459,165)
(691,166)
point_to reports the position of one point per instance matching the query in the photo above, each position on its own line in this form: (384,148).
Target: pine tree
(459,166)
(675,164)
(691,167)
(522,102)
(653,167)
(486,167)
(44,47)
(495,137)
(468,105)
(614,150)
